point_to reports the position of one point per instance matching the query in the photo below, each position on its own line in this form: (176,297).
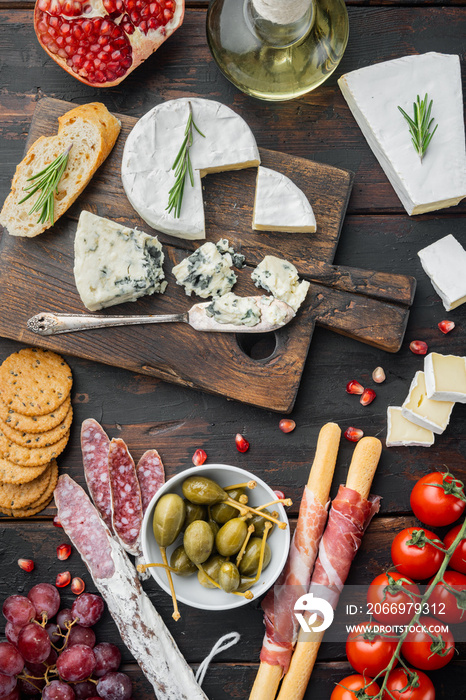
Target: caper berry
(169,516)
(181,563)
(250,562)
(198,541)
(231,536)
(204,491)
(194,511)
(228,577)
(222,512)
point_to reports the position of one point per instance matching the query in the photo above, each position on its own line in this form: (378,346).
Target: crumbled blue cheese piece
(280,278)
(114,264)
(223,246)
(240,311)
(271,313)
(206,272)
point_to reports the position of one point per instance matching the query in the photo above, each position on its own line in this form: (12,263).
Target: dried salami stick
(95,445)
(126,497)
(151,475)
(141,627)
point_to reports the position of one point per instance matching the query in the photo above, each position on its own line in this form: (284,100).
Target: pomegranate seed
(446,326)
(77,586)
(242,444)
(287,425)
(26,564)
(63,551)
(56,522)
(279,494)
(418,347)
(63,579)
(199,457)
(353,434)
(368,397)
(378,375)
(354,387)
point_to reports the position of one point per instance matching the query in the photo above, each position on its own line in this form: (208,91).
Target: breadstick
(360,474)
(319,482)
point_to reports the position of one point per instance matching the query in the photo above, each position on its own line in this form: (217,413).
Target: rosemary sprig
(182,166)
(419,125)
(47,182)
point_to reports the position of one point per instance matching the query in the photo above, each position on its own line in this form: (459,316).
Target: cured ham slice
(141,627)
(151,475)
(95,445)
(126,497)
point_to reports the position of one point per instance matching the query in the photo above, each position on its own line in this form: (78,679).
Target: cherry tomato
(425,651)
(413,556)
(343,691)
(443,603)
(437,505)
(386,600)
(368,652)
(458,560)
(421,688)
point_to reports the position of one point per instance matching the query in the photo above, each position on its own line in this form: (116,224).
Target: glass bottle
(277,49)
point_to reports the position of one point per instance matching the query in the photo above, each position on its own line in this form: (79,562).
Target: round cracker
(34,424)
(30,457)
(13,474)
(50,437)
(23,495)
(34,382)
(41,503)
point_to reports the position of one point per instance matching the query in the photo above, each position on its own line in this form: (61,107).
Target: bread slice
(92,131)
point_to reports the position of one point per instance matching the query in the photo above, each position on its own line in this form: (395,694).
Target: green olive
(194,512)
(212,568)
(222,512)
(259,523)
(228,577)
(169,516)
(250,561)
(203,491)
(198,541)
(230,537)
(180,562)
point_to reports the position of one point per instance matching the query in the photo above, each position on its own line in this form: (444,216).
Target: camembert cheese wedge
(402,433)
(153,144)
(445,263)
(373,95)
(280,205)
(445,377)
(417,408)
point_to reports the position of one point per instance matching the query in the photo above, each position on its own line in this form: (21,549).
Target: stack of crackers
(35,420)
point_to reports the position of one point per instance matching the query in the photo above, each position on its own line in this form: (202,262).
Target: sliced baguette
(93,131)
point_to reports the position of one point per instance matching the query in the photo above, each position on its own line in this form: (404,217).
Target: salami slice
(95,444)
(126,497)
(140,626)
(151,475)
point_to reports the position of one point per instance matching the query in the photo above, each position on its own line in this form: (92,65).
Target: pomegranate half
(100,42)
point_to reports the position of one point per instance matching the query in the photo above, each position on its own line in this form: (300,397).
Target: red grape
(81,635)
(14,695)
(12,631)
(51,659)
(115,686)
(18,610)
(46,599)
(7,684)
(108,658)
(63,617)
(84,690)
(34,643)
(11,661)
(76,663)
(56,690)
(87,609)
(27,688)
(53,631)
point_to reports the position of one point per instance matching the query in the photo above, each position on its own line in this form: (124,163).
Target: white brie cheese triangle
(153,145)
(373,95)
(280,205)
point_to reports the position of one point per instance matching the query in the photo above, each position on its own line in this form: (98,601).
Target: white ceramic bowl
(189,590)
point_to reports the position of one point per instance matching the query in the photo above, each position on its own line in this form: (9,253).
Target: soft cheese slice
(432,415)
(402,433)
(373,95)
(153,145)
(114,264)
(445,263)
(280,278)
(207,272)
(445,377)
(280,205)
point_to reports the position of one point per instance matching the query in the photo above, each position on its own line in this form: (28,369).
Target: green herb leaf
(420,124)
(47,182)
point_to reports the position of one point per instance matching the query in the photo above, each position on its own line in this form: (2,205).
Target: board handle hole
(257,346)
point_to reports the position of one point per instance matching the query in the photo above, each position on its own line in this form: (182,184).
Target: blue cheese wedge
(240,311)
(417,408)
(373,95)
(445,377)
(206,272)
(153,145)
(280,205)
(445,263)
(403,433)
(114,264)
(280,278)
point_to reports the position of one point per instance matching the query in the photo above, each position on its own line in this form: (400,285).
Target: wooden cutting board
(36,274)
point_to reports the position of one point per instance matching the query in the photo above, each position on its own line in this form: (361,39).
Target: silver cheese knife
(51,324)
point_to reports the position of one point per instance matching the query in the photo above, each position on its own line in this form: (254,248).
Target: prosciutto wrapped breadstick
(349,516)
(281,625)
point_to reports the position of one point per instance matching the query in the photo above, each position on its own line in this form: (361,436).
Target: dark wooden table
(377,234)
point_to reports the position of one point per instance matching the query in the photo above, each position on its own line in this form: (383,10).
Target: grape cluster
(52,652)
